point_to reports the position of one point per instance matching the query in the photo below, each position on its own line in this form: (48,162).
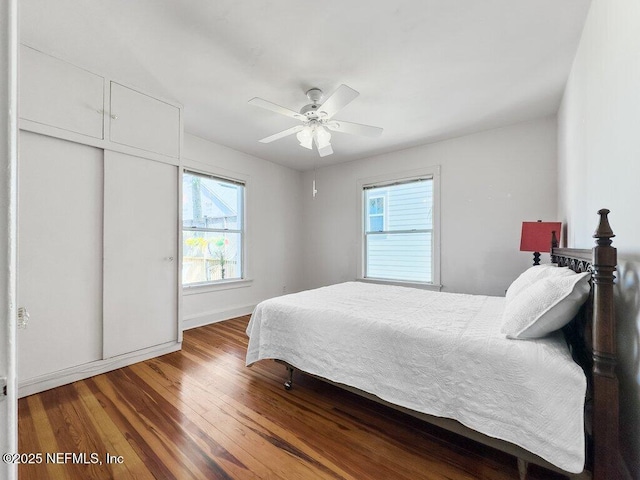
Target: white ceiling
(426,70)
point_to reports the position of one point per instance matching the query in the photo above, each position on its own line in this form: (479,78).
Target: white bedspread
(436,353)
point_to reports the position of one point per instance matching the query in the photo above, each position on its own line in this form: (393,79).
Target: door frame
(8,231)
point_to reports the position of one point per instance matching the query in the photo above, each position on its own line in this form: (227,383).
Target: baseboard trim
(80,372)
(207,318)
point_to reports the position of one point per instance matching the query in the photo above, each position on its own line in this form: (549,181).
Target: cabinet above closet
(57,94)
(144,122)
(63,100)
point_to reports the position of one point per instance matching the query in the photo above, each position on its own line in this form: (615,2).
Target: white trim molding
(8,229)
(80,372)
(198,288)
(424,286)
(215,316)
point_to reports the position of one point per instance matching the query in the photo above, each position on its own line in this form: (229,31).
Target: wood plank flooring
(201,414)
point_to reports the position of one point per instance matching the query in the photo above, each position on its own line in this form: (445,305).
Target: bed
(445,358)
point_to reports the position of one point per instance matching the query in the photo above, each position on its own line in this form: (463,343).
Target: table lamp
(536,237)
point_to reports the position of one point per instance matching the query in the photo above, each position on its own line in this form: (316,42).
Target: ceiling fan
(317,119)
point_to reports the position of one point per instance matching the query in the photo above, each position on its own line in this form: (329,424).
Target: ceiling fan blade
(260,102)
(324,151)
(354,128)
(284,133)
(337,100)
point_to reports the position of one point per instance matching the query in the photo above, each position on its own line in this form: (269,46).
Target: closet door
(140,253)
(59,254)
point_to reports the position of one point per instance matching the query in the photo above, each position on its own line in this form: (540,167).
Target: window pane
(211,203)
(211,256)
(376,205)
(406,206)
(376,223)
(400,256)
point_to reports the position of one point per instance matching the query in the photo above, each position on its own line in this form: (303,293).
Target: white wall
(273,217)
(490,182)
(599,166)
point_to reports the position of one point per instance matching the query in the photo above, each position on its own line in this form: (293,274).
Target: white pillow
(532,275)
(547,305)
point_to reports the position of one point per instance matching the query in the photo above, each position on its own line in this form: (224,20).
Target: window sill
(424,286)
(215,287)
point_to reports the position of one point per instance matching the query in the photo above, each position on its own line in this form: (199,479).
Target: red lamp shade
(536,236)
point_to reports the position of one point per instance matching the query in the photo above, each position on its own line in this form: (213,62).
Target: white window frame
(432,172)
(215,285)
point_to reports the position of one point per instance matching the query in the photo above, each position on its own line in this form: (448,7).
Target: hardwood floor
(200,413)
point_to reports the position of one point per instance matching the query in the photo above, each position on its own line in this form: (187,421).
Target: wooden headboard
(592,338)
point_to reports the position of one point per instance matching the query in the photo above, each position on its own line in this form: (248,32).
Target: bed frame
(592,339)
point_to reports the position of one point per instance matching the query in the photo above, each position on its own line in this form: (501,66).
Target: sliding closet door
(59,254)
(140,253)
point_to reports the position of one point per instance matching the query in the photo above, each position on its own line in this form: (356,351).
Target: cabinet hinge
(3,382)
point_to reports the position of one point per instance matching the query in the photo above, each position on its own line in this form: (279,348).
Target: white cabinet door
(140,253)
(59,254)
(56,93)
(144,122)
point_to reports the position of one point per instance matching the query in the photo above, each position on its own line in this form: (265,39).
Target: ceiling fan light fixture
(305,137)
(322,137)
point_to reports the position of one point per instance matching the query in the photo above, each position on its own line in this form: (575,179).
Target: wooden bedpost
(554,245)
(605,383)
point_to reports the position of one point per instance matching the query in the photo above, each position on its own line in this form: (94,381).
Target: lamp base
(536,258)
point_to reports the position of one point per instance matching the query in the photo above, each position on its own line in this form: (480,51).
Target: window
(399,241)
(212,229)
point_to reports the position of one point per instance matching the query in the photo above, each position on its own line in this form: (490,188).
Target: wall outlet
(284,289)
